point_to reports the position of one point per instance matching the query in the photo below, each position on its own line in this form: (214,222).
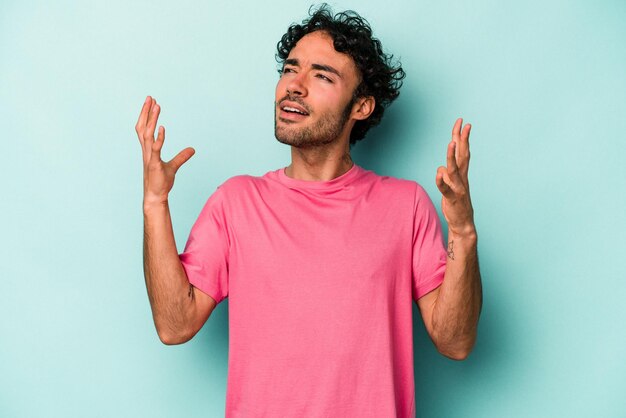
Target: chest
(297,250)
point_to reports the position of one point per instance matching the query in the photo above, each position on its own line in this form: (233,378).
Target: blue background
(542,82)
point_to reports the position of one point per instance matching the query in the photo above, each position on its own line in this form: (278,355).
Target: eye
(287,70)
(323,77)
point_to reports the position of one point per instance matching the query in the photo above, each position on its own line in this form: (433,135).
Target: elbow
(170,337)
(457,355)
(458,351)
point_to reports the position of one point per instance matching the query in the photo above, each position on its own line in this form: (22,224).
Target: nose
(297,85)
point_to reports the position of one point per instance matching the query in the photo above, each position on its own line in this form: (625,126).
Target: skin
(451,311)
(325,94)
(178,310)
(320,81)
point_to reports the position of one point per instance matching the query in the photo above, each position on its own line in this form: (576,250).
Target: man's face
(314,94)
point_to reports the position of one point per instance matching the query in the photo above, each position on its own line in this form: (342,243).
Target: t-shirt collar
(337,182)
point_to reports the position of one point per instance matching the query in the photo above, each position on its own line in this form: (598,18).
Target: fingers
(143,115)
(452,168)
(181,158)
(158,144)
(463,153)
(443,183)
(152,121)
(460,135)
(141,124)
(456,129)
(148,115)
(145,131)
(465,133)
(145,126)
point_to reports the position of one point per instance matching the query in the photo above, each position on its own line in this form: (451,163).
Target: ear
(363,107)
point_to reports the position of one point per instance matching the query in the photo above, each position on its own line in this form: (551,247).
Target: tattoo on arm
(451,250)
(191,293)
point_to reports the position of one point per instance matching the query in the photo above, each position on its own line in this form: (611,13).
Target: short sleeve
(429,253)
(205,258)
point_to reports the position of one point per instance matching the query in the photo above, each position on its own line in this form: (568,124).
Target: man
(320,260)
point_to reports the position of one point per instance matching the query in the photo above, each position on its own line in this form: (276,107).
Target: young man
(321,260)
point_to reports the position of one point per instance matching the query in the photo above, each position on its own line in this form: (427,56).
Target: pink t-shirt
(320,277)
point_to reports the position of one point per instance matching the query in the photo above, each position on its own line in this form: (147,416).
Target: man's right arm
(178,310)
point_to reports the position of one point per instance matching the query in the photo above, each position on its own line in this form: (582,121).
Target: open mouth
(292,111)
(289,109)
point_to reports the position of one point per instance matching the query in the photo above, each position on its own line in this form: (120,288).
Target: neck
(319,163)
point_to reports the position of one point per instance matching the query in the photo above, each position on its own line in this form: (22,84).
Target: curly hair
(352,35)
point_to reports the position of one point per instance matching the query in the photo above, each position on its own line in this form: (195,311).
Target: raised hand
(453,183)
(158,176)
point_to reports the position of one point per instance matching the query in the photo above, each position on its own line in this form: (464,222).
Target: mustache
(295,100)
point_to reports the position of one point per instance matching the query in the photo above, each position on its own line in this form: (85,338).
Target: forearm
(458,304)
(170,293)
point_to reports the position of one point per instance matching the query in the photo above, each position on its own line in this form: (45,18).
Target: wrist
(151,204)
(466,234)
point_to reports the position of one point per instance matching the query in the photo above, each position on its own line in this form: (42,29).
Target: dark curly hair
(352,35)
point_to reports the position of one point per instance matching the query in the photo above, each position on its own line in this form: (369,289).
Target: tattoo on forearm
(451,250)
(191,294)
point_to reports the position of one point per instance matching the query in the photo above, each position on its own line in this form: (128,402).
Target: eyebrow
(321,67)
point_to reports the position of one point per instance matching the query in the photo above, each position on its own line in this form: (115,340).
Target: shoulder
(395,185)
(409,191)
(230,188)
(242,186)
(236,183)
(229,195)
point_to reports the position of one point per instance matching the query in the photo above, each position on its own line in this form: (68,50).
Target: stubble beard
(325,131)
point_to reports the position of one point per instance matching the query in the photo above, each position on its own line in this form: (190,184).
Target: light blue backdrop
(542,82)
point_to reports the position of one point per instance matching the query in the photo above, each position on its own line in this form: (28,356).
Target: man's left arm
(451,311)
